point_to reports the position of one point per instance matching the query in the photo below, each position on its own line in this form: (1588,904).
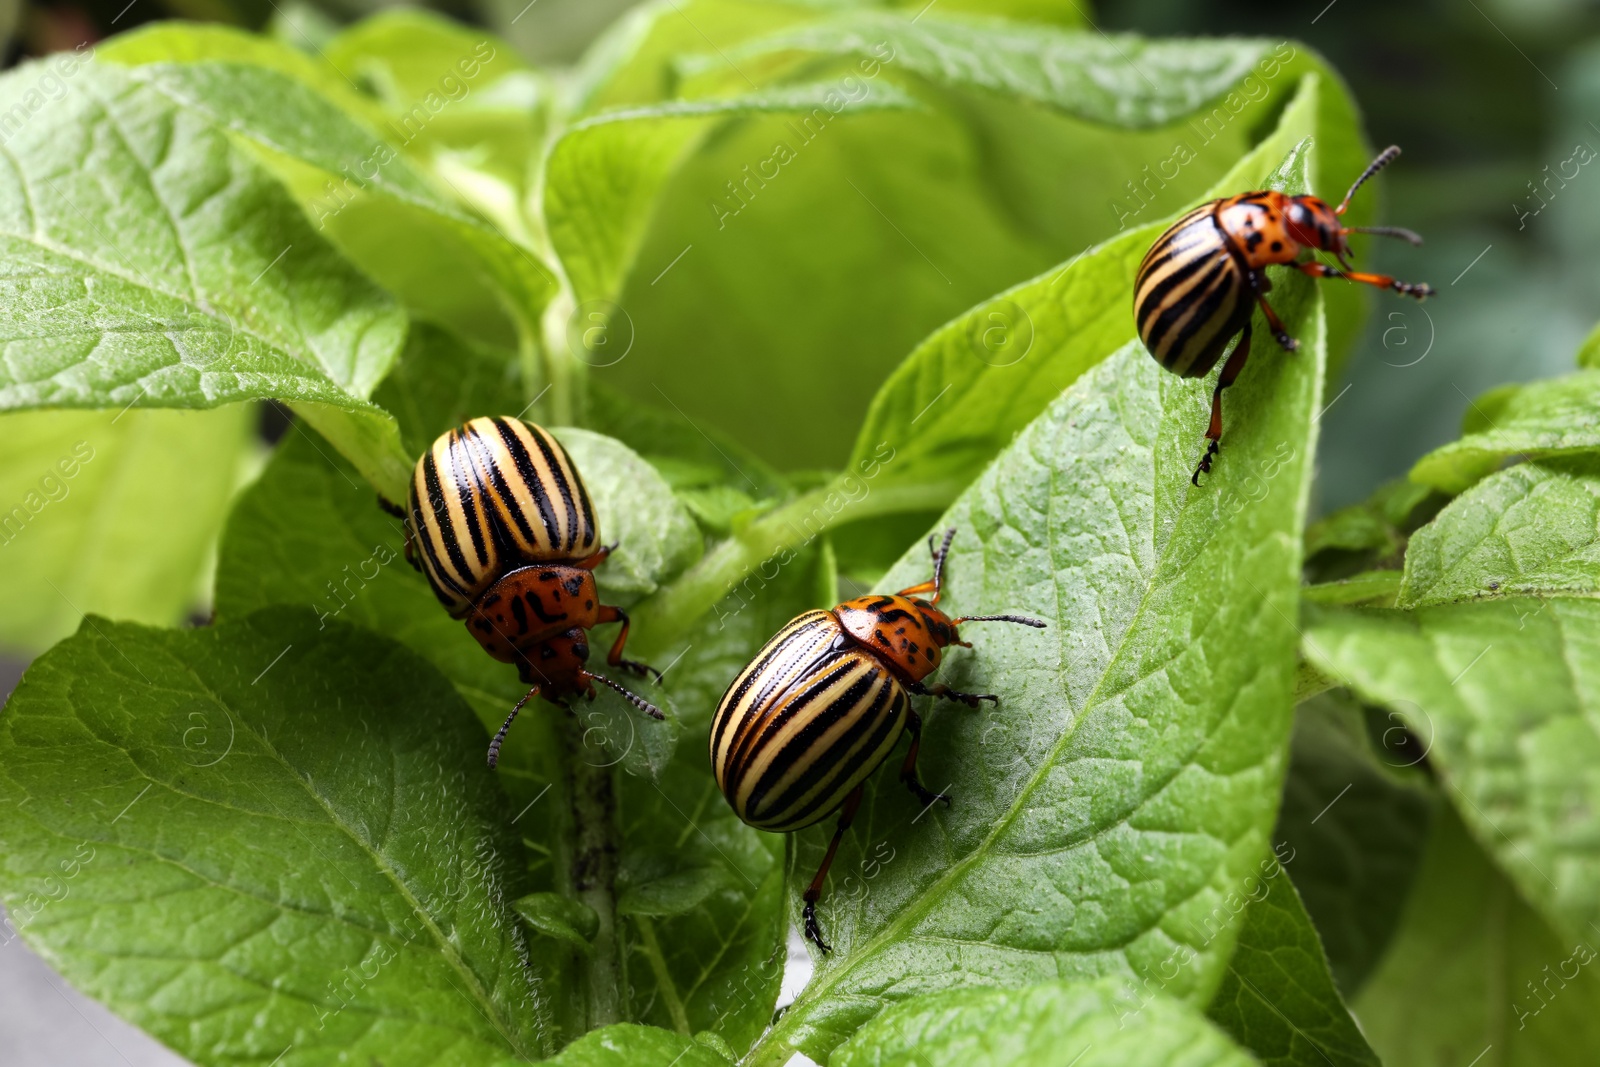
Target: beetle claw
(925,796)
(813,931)
(1205,463)
(641,669)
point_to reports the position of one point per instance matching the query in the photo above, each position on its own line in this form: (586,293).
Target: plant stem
(767,543)
(594,874)
(555,364)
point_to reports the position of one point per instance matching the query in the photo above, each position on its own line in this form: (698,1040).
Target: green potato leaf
(1500,694)
(1278,998)
(402,54)
(1528,531)
(633,61)
(655,536)
(1058,12)
(469,109)
(152,264)
(1351,831)
(1123,81)
(1541,419)
(268,839)
(1127,783)
(1090,1024)
(111,513)
(560,917)
(348,171)
(196,42)
(1377,589)
(1475,973)
(1589,351)
(690,455)
(630,1045)
(597,227)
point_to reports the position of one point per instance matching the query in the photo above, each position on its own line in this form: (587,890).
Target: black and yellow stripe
(491,496)
(805,723)
(1191,295)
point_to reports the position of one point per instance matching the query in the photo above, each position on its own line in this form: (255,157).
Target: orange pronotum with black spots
(824,702)
(1204,277)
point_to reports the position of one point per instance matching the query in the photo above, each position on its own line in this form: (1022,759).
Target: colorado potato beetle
(824,703)
(1204,277)
(500,523)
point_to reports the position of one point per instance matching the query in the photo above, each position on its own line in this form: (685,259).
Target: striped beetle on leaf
(823,704)
(1202,279)
(500,523)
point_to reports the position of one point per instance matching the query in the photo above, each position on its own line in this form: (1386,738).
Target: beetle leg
(608,613)
(939,689)
(847,815)
(589,563)
(908,769)
(1279,334)
(505,727)
(1230,372)
(1420,290)
(391,508)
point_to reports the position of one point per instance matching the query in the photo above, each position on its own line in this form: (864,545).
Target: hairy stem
(765,546)
(594,874)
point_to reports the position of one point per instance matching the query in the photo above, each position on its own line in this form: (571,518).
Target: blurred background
(1493,101)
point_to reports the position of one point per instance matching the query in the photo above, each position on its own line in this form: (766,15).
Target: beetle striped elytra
(824,702)
(1204,277)
(500,523)
(490,495)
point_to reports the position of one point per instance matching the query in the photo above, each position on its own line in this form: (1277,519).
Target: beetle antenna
(1386,157)
(630,696)
(505,728)
(1019,619)
(1401,232)
(939,555)
(390,507)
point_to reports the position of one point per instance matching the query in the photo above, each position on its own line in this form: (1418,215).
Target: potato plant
(795,282)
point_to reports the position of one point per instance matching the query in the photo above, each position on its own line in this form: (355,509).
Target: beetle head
(1313,224)
(556,663)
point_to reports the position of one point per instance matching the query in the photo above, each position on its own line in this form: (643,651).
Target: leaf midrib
(96,266)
